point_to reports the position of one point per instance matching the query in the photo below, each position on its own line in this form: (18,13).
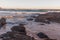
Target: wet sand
(52,30)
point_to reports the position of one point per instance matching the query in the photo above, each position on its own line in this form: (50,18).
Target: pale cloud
(30,3)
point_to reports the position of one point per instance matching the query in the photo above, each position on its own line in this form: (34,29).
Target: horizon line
(28,8)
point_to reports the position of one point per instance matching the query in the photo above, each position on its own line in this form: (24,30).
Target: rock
(30,19)
(42,35)
(2,35)
(5,36)
(42,24)
(23,23)
(49,39)
(8,35)
(50,16)
(20,29)
(2,21)
(16,36)
(23,37)
(42,20)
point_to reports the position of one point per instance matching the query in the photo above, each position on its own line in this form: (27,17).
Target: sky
(33,4)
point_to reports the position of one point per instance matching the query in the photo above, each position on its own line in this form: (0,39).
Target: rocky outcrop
(15,36)
(17,33)
(50,17)
(43,20)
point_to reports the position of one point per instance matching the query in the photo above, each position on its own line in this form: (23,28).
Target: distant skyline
(30,4)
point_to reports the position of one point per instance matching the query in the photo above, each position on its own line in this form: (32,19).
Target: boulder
(42,35)
(2,21)
(20,29)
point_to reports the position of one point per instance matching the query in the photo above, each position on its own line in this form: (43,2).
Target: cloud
(29,3)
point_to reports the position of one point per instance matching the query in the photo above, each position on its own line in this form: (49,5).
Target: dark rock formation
(50,16)
(2,21)
(15,36)
(49,39)
(42,35)
(30,19)
(19,29)
(42,20)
